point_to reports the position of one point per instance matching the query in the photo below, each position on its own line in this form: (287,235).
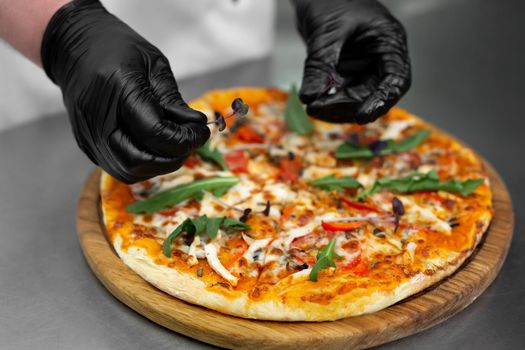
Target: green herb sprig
(212,155)
(422,182)
(202,225)
(177,194)
(295,115)
(332,183)
(325,257)
(350,151)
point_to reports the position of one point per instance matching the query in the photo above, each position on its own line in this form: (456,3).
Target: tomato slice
(342,226)
(306,241)
(360,270)
(287,212)
(237,161)
(232,259)
(290,169)
(168,212)
(191,162)
(247,133)
(235,259)
(351,264)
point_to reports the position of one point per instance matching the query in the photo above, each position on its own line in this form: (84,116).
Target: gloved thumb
(320,68)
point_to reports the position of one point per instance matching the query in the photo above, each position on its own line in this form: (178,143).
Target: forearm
(23,22)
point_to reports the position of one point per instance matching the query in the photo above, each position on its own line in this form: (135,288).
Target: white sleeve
(200,36)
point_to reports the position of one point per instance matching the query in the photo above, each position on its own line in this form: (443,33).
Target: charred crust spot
(428,272)
(141,231)
(222,285)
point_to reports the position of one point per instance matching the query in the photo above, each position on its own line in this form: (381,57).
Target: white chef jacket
(197,36)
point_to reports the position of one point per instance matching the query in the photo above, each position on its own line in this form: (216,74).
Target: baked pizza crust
(188,287)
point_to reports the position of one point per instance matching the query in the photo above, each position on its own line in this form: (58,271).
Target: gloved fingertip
(316,82)
(371,109)
(182,113)
(202,134)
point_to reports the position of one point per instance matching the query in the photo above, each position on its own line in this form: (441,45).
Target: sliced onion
(362,218)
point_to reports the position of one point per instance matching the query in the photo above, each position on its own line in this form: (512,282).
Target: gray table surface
(468,78)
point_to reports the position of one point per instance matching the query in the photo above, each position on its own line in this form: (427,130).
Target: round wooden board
(409,316)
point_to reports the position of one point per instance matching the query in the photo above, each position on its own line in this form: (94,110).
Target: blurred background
(468,77)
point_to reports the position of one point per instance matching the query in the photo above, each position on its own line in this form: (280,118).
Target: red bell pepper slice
(359,206)
(342,226)
(247,134)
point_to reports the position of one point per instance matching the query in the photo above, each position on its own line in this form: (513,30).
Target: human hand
(357,64)
(123,102)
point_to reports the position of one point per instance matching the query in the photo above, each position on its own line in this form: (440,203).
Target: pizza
(283,217)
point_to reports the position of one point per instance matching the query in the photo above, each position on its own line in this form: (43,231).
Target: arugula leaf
(325,257)
(212,155)
(332,183)
(422,182)
(350,151)
(186,226)
(180,193)
(232,224)
(201,225)
(368,191)
(212,227)
(295,115)
(411,142)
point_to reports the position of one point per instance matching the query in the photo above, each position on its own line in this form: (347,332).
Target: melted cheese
(175,181)
(172,222)
(384,246)
(242,191)
(416,214)
(425,168)
(260,169)
(281,192)
(411,250)
(299,276)
(367,180)
(298,232)
(209,205)
(321,158)
(394,129)
(293,142)
(347,256)
(315,172)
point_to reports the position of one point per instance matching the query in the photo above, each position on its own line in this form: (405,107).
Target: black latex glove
(357,65)
(123,102)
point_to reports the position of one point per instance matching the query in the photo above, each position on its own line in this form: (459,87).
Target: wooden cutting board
(409,316)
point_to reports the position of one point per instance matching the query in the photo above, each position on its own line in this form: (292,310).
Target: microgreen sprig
(398,210)
(239,110)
